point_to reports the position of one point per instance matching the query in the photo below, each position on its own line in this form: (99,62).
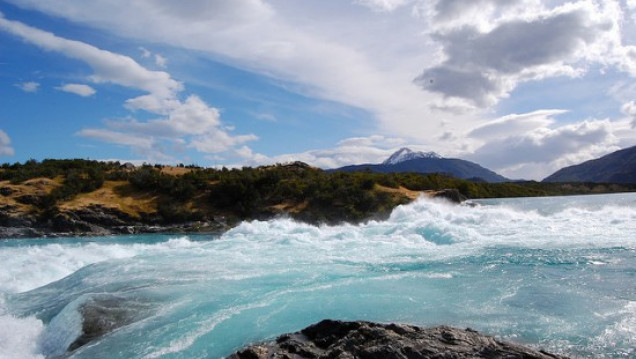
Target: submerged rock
(104,314)
(365,340)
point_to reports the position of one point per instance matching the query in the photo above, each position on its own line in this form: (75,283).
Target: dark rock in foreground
(365,340)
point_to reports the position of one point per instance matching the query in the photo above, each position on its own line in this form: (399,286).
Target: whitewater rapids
(557,273)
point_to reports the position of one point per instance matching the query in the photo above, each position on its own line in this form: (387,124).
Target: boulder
(452,195)
(6,191)
(104,314)
(366,340)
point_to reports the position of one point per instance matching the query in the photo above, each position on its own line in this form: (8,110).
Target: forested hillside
(81,196)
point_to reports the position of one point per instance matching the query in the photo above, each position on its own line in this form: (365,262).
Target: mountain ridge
(615,167)
(405,154)
(406,160)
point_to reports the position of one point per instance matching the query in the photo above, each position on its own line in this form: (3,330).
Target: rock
(29,199)
(11,217)
(19,232)
(102,216)
(6,191)
(452,195)
(366,340)
(66,223)
(106,313)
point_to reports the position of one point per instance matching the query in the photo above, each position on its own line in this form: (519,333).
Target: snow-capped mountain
(406,160)
(406,154)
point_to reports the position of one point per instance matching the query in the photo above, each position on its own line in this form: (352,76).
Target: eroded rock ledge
(365,340)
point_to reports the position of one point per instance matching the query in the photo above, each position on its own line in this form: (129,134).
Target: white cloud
(189,124)
(483,67)
(354,150)
(383,5)
(29,86)
(629,108)
(454,12)
(78,89)
(299,43)
(185,124)
(534,145)
(108,66)
(631,6)
(161,61)
(375,141)
(475,52)
(324,158)
(143,145)
(144,52)
(515,124)
(5,145)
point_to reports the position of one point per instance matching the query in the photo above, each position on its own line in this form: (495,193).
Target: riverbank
(97,220)
(88,198)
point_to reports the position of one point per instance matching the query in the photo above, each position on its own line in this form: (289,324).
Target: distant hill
(406,160)
(617,167)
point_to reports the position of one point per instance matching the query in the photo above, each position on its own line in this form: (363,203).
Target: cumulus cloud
(383,5)
(107,66)
(145,53)
(534,145)
(78,89)
(484,66)
(452,10)
(5,145)
(191,123)
(629,108)
(321,52)
(469,55)
(161,61)
(324,158)
(354,150)
(28,86)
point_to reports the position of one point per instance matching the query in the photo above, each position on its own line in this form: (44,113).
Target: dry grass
(36,187)
(175,171)
(289,207)
(412,195)
(117,195)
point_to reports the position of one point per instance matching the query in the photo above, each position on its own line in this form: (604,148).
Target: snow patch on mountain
(406,154)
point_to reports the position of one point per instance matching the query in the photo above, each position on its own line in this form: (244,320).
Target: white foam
(32,266)
(19,337)
(263,262)
(435,229)
(621,334)
(62,330)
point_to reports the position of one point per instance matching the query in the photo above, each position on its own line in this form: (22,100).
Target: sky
(522,87)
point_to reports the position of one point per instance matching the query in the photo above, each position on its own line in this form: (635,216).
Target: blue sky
(522,87)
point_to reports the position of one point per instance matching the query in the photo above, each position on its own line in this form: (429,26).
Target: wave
(32,265)
(428,228)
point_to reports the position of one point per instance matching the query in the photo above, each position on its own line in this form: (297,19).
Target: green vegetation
(197,194)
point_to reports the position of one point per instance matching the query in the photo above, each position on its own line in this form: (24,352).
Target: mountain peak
(405,154)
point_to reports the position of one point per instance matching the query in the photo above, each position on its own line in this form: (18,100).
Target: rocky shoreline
(367,340)
(97,220)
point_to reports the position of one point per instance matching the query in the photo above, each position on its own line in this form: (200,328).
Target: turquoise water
(554,273)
